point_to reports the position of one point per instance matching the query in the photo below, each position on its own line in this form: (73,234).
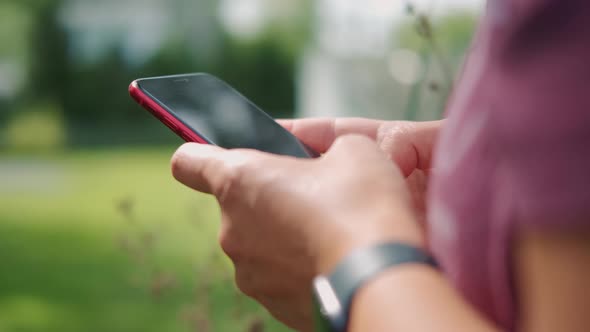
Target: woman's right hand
(409,144)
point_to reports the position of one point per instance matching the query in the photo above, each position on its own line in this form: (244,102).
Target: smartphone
(202,108)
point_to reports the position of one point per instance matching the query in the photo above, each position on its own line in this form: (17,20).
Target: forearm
(413,298)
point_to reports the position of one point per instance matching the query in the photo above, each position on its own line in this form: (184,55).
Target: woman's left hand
(286,220)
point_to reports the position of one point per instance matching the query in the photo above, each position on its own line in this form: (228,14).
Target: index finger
(320,133)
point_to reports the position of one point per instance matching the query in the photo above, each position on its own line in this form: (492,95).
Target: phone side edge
(177,126)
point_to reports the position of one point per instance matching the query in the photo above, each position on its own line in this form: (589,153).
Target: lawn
(107,241)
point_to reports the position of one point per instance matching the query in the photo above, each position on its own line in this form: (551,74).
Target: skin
(286,220)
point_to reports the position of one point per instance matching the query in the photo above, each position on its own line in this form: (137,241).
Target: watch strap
(357,269)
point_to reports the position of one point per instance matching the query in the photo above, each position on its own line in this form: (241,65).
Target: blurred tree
(97,94)
(15,25)
(264,68)
(34,46)
(49,68)
(261,70)
(93,95)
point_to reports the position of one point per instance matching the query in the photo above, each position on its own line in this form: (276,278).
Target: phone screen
(221,115)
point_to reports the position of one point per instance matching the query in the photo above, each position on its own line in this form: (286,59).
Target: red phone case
(164,116)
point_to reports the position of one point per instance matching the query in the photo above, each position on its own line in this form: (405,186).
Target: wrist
(334,292)
(336,247)
(392,289)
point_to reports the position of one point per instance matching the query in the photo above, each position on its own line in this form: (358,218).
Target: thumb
(205,168)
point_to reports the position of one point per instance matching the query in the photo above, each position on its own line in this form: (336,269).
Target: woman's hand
(287,220)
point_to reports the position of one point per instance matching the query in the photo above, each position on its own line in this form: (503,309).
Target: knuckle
(237,165)
(234,245)
(395,140)
(241,172)
(220,178)
(229,244)
(230,185)
(237,171)
(395,131)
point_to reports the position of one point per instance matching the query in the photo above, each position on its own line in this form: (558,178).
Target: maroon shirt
(515,151)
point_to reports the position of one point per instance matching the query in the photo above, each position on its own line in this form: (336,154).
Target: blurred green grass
(63,220)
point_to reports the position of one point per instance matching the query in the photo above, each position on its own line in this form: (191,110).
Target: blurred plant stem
(424,29)
(142,248)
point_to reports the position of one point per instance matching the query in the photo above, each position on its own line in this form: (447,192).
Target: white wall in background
(348,70)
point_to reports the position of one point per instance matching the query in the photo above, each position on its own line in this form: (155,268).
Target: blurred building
(343,71)
(353,65)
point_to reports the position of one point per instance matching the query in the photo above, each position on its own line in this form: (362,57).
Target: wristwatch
(333,294)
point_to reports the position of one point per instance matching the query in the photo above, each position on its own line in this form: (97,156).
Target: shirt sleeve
(542,111)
